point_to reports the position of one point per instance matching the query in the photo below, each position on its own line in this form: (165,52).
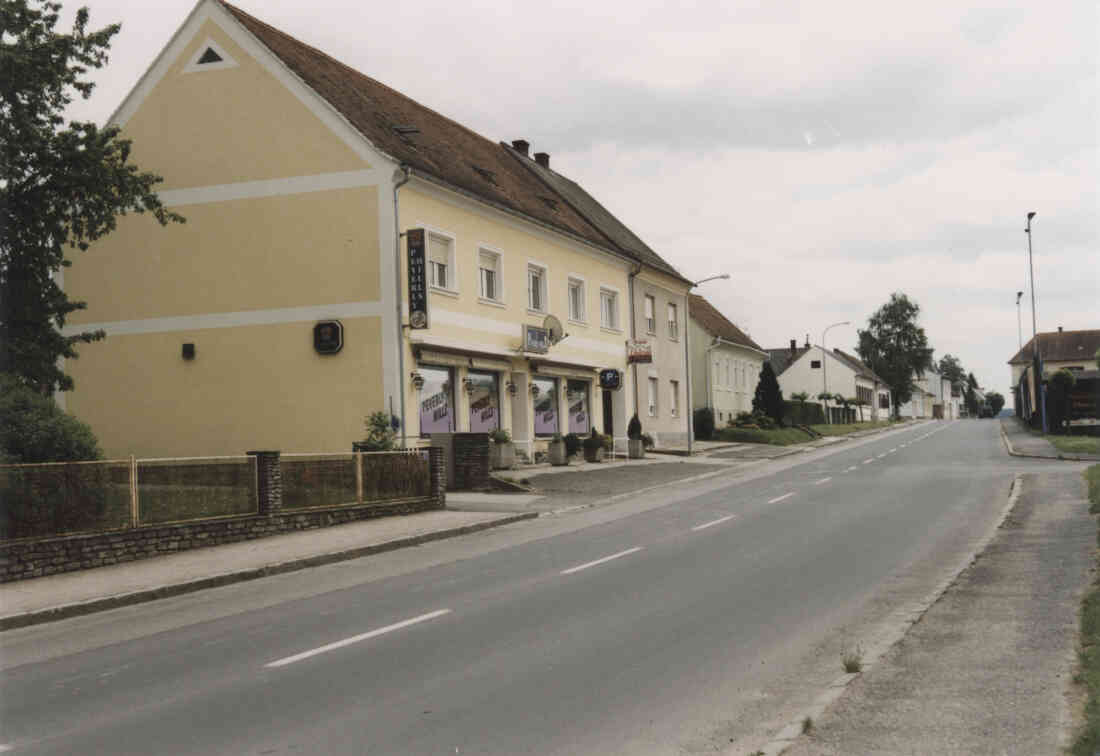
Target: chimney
(520,146)
(807,341)
(794,345)
(1059,329)
(543,159)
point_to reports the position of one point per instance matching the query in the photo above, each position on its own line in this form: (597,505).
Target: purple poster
(436,414)
(484,412)
(546,407)
(577,398)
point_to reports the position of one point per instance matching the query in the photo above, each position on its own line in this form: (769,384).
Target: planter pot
(502,456)
(557,454)
(635,449)
(593,455)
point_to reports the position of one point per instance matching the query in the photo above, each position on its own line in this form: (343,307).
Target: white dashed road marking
(823,480)
(868,461)
(586,565)
(853,467)
(781,498)
(357,638)
(719,521)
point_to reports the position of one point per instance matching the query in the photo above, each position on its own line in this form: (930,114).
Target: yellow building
(277,316)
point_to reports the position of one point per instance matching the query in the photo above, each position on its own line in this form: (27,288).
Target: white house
(813,370)
(725,362)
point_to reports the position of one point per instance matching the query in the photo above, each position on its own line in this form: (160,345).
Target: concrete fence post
(437,467)
(135,513)
(269,481)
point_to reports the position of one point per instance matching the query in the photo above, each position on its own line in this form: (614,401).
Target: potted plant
(502,454)
(635,449)
(593,447)
(572,444)
(558,456)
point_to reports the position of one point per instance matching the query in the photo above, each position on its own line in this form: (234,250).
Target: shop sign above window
(418,279)
(328,337)
(638,352)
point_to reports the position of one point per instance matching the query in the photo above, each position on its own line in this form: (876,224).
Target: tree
(970,385)
(895,347)
(1059,386)
(61,187)
(952,369)
(768,398)
(996,402)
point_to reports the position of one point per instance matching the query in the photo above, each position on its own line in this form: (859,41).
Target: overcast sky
(822,154)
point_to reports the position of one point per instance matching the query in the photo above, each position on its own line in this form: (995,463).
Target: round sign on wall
(611,379)
(328,337)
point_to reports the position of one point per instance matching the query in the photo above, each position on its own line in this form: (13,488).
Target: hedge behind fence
(803,413)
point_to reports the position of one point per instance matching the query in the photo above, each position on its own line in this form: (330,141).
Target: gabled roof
(445,151)
(781,359)
(716,324)
(858,365)
(1061,346)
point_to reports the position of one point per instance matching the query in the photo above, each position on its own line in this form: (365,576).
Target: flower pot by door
(502,456)
(557,453)
(635,449)
(593,455)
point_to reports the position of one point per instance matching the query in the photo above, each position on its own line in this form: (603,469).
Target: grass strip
(775,437)
(843,429)
(1087,742)
(1075,444)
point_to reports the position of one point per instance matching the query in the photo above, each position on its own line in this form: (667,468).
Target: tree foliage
(952,369)
(996,402)
(895,346)
(768,398)
(1059,387)
(34,429)
(61,186)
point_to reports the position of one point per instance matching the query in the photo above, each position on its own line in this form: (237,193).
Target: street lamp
(825,362)
(1036,357)
(690,408)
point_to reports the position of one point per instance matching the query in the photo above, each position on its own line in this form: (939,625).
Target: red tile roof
(716,324)
(1062,346)
(435,146)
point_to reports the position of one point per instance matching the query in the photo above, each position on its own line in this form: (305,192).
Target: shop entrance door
(608,414)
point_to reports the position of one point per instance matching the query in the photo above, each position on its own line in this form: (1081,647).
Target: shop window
(484,402)
(576,396)
(546,406)
(436,400)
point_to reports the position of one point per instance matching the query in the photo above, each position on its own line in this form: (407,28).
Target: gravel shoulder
(988,668)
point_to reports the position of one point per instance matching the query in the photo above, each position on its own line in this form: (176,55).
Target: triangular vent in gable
(209,56)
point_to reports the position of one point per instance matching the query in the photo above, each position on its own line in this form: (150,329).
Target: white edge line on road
(892,450)
(823,480)
(868,461)
(4,747)
(719,521)
(853,467)
(781,498)
(586,565)
(357,638)
(880,456)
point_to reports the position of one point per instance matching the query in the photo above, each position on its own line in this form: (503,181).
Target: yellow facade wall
(249,387)
(227,125)
(262,253)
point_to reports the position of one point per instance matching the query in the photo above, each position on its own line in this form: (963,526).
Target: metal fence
(195,488)
(64,497)
(327,480)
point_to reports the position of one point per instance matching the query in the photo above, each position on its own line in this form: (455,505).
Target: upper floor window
(536,288)
(576,300)
(441,258)
(673,321)
(653,397)
(489,274)
(650,319)
(609,309)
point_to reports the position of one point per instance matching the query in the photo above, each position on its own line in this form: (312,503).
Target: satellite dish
(553,329)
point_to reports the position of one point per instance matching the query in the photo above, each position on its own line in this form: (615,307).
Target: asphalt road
(690,619)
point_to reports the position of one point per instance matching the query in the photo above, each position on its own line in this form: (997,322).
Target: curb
(903,619)
(1063,457)
(92,606)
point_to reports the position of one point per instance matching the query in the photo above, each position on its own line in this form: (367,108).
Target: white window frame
(544,287)
(498,275)
(580,316)
(614,296)
(226,60)
(673,321)
(650,314)
(654,388)
(452,260)
(674,407)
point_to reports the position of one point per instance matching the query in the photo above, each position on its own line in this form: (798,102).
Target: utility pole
(1036,356)
(824,363)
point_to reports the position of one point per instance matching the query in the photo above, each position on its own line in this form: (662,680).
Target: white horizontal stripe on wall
(320,182)
(513,328)
(232,319)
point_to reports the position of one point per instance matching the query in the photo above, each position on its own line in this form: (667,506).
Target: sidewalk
(987,669)
(1023,443)
(30,602)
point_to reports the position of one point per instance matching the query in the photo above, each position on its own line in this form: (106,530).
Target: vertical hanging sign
(418,279)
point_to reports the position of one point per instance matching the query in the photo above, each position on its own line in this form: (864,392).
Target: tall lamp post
(1036,357)
(1019,327)
(825,362)
(687,354)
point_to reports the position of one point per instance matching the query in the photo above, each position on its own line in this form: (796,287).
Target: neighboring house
(944,405)
(1070,350)
(812,370)
(725,363)
(277,317)
(922,403)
